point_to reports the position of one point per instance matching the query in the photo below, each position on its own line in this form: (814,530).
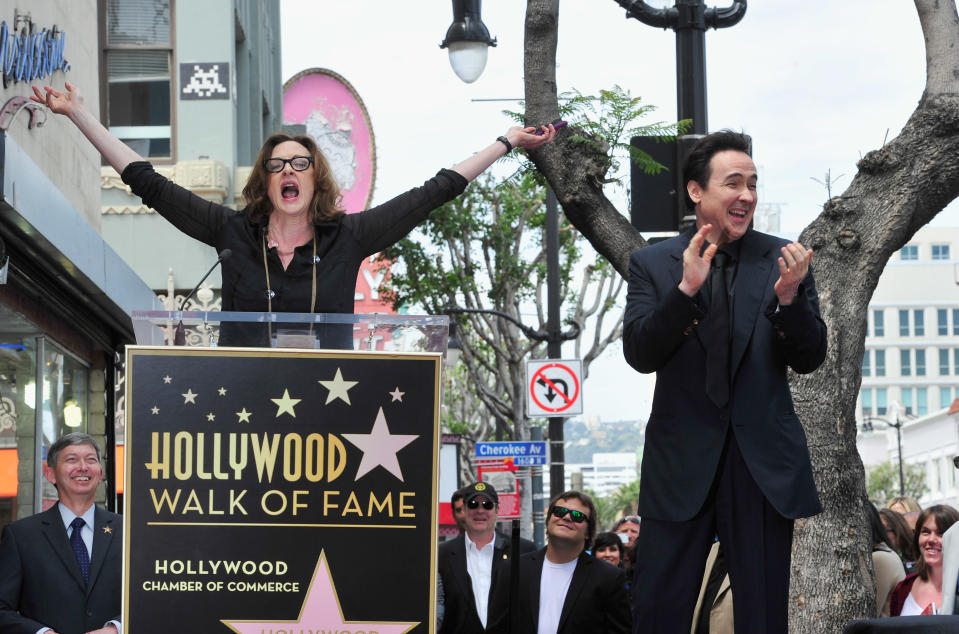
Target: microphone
(179,337)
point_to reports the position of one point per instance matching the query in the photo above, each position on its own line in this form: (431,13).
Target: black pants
(756,539)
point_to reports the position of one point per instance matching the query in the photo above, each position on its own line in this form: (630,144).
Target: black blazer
(40,580)
(596,601)
(686,431)
(460,615)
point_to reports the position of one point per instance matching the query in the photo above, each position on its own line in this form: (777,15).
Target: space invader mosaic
(205,81)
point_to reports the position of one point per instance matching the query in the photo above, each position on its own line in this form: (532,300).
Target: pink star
(379,448)
(320,612)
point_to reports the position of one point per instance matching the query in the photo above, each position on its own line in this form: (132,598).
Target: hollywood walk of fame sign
(280,490)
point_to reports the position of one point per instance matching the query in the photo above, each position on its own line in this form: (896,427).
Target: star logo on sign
(154,410)
(211,417)
(320,612)
(244,416)
(379,448)
(221,391)
(189,397)
(339,389)
(397,395)
(285,405)
(167,378)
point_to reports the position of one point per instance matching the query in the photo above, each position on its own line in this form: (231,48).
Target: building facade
(65,295)
(195,88)
(910,368)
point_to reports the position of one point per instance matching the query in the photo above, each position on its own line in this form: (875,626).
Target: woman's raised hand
(59,102)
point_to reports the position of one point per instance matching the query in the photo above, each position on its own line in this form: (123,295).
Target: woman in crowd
(885,562)
(609,548)
(292,247)
(901,537)
(921,592)
(903,504)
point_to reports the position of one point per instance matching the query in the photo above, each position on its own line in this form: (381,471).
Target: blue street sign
(524,454)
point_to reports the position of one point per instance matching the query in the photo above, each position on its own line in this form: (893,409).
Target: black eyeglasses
(577,516)
(474,504)
(298,163)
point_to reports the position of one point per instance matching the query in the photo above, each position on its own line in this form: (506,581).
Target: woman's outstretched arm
(70,103)
(517,137)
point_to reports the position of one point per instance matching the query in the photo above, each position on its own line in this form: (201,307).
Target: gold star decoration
(189,397)
(244,416)
(285,405)
(107,530)
(339,389)
(222,391)
(211,417)
(397,395)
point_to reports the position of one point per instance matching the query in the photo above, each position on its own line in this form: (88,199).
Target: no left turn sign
(554,387)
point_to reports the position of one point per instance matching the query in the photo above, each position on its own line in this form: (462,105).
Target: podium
(284,488)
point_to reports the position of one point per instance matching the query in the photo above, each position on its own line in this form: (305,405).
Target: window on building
(942,321)
(138,58)
(920,362)
(909,252)
(905,363)
(919,322)
(955,360)
(865,363)
(903,323)
(922,401)
(881,407)
(878,323)
(906,394)
(880,363)
(945,397)
(943,362)
(866,400)
(955,321)
(940,252)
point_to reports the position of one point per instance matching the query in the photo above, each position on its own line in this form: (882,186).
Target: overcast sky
(817,84)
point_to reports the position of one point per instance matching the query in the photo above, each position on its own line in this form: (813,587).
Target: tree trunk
(898,189)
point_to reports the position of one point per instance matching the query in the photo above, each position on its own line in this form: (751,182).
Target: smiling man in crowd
(60,569)
(474,567)
(563,589)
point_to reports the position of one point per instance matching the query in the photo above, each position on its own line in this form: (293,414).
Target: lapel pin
(107,529)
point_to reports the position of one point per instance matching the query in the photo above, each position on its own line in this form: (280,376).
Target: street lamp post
(867,426)
(468,40)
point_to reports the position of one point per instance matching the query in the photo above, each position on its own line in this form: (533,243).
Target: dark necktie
(717,346)
(79,548)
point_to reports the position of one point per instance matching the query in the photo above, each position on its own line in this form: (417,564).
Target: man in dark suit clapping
(60,569)
(719,313)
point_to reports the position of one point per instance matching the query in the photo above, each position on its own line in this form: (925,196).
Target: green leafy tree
(882,481)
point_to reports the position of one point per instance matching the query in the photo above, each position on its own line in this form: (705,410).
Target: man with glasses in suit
(474,567)
(564,590)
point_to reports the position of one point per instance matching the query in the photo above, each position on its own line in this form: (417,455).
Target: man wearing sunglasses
(474,567)
(563,589)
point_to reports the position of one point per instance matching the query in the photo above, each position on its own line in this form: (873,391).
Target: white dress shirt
(479,565)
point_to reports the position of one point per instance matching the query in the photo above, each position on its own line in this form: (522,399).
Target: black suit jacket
(686,431)
(596,601)
(460,615)
(40,580)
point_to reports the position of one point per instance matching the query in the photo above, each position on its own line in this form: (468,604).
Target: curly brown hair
(326,202)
